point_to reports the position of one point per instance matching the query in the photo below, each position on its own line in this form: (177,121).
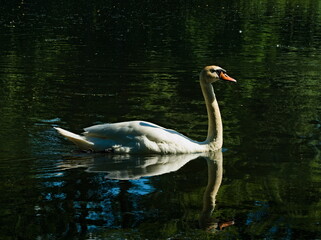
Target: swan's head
(214,73)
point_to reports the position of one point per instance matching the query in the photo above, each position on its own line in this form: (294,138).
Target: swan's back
(139,137)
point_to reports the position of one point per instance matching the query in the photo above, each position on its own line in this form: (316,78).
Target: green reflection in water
(74,64)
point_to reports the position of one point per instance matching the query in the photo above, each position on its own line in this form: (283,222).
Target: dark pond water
(77,63)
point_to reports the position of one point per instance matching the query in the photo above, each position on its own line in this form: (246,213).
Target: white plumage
(133,137)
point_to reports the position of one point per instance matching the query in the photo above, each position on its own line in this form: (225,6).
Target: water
(77,63)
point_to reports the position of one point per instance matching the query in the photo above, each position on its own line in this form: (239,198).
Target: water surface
(77,63)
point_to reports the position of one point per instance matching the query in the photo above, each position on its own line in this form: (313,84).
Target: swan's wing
(133,129)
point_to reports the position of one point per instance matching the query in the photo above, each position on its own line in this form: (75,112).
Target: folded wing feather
(132,129)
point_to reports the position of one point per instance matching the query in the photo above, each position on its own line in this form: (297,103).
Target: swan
(140,137)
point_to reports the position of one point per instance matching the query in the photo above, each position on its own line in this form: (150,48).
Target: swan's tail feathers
(80,141)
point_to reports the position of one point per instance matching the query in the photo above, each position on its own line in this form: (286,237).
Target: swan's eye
(212,70)
(219,71)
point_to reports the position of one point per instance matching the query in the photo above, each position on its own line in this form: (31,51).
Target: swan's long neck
(215,128)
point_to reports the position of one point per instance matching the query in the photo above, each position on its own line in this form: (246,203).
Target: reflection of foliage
(87,61)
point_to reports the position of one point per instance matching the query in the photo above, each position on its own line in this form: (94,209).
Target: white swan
(146,137)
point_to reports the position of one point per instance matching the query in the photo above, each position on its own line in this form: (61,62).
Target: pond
(73,64)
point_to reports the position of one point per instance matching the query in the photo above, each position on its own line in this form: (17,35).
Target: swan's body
(146,137)
(134,137)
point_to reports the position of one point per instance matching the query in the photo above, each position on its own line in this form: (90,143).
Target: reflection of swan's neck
(215,174)
(215,128)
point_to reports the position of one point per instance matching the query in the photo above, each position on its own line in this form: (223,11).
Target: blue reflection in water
(54,184)
(51,196)
(50,186)
(141,187)
(263,213)
(103,212)
(259,214)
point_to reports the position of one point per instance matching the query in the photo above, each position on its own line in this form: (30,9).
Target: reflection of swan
(142,166)
(215,174)
(127,167)
(145,137)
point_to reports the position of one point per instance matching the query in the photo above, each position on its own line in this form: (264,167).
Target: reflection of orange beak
(224,76)
(225,224)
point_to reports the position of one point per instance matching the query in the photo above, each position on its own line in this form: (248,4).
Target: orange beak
(224,76)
